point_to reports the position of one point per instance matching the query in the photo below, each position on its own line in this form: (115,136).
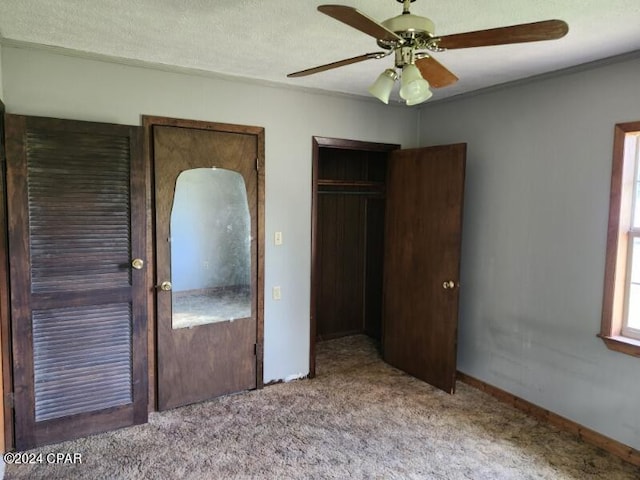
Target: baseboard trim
(273,382)
(293,378)
(625,452)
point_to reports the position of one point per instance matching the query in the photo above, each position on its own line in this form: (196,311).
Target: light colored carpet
(360,418)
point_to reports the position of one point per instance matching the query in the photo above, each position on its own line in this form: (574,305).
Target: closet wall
(350,206)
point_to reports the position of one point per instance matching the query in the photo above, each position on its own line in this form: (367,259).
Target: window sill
(627,345)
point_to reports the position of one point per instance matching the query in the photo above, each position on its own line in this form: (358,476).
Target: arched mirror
(210,248)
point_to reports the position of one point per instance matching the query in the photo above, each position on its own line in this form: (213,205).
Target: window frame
(619,240)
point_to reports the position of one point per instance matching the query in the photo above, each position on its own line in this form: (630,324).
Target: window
(621,305)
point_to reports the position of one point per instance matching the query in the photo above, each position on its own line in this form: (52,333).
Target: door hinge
(9,399)
(257,164)
(257,349)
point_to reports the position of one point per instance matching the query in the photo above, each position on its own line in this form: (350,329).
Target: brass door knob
(166,286)
(137,263)
(449,284)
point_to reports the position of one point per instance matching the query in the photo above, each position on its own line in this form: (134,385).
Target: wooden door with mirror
(208,208)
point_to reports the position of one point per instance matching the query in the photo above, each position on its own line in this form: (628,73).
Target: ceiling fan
(406,34)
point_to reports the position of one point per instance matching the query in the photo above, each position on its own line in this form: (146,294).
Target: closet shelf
(350,183)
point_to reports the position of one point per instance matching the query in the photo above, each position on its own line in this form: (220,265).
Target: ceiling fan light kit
(426,95)
(406,34)
(413,87)
(381,88)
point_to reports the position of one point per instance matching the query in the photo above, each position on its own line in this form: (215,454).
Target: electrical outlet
(277,294)
(277,238)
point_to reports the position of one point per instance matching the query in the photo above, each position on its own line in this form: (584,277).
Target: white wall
(38,82)
(534,239)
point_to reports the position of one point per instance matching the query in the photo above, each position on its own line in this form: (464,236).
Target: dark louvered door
(76,219)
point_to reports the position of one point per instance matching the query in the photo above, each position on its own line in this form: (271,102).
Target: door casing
(6,413)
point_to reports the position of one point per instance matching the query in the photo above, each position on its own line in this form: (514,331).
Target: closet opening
(348,210)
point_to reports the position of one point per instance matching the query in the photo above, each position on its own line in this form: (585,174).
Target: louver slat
(78,187)
(82,359)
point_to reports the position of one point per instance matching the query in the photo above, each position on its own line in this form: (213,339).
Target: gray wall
(534,239)
(39,82)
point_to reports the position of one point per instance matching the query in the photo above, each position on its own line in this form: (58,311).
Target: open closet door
(76,214)
(422,261)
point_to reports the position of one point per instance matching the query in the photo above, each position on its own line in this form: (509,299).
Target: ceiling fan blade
(358,20)
(435,73)
(340,63)
(526,32)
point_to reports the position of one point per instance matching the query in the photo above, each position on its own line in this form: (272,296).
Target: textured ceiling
(265,40)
